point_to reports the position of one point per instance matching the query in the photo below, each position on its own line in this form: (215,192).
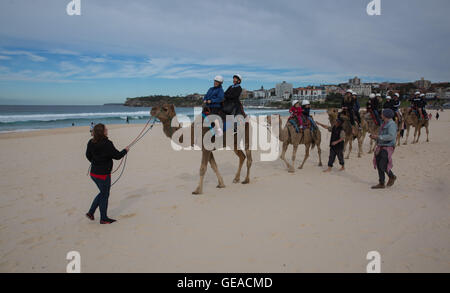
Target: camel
(165,113)
(350,131)
(288,136)
(373,128)
(411,119)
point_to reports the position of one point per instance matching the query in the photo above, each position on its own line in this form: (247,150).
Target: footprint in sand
(127,216)
(134,196)
(34,220)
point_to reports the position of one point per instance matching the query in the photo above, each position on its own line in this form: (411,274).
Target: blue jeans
(101,200)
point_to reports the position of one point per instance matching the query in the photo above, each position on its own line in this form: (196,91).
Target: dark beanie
(388,113)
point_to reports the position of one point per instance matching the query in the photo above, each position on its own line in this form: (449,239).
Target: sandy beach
(303,222)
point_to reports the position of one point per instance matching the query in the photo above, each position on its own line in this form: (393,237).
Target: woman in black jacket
(232,105)
(101,152)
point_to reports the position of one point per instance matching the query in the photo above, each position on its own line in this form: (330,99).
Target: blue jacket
(216,96)
(388,134)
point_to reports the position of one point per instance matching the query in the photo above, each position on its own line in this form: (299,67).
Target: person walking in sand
(92,128)
(336,144)
(385,149)
(101,152)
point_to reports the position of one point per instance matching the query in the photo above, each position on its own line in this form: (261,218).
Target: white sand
(281,222)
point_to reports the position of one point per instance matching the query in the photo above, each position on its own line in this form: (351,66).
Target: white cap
(350,91)
(218,78)
(378,95)
(388,98)
(294,102)
(397,94)
(305,102)
(238,76)
(417,93)
(372,96)
(422,95)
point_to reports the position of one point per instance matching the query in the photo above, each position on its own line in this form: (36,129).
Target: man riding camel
(306,115)
(232,104)
(373,106)
(348,105)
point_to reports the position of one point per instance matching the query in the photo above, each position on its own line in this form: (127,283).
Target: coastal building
(260,94)
(423,84)
(284,91)
(310,93)
(362,89)
(354,81)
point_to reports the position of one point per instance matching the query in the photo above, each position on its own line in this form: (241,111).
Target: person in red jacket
(296,111)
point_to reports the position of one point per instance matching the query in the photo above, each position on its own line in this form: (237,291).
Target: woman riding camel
(101,152)
(213,102)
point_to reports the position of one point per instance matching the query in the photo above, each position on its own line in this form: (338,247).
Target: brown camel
(351,133)
(373,128)
(411,119)
(166,113)
(288,135)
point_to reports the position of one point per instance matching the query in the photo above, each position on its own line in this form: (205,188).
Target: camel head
(164,113)
(332,114)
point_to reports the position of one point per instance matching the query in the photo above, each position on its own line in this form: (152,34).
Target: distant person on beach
(73,124)
(437,115)
(101,152)
(385,149)
(128,120)
(92,128)
(336,144)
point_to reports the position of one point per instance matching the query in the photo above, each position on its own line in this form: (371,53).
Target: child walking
(336,144)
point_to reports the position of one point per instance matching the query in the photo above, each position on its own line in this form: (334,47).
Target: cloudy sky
(118,49)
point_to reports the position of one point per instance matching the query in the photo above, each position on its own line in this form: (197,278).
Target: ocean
(28,118)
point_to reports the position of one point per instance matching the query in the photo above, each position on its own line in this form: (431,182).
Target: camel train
(288,136)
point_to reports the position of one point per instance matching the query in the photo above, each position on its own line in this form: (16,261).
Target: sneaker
(379,186)
(391,181)
(90,216)
(108,221)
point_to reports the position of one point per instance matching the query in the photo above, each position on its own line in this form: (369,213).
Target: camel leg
(307,147)
(283,155)
(204,165)
(415,135)
(241,156)
(294,155)
(360,143)
(428,132)
(213,164)
(350,147)
(249,165)
(371,146)
(407,135)
(319,152)
(418,134)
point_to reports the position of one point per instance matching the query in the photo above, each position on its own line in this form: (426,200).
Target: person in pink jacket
(296,111)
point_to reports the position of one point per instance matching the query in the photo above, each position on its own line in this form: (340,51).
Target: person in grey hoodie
(385,148)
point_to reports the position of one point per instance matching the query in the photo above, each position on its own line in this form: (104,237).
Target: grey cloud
(335,38)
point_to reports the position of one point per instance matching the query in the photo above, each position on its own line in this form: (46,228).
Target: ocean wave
(70,116)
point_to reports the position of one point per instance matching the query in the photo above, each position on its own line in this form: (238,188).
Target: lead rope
(136,140)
